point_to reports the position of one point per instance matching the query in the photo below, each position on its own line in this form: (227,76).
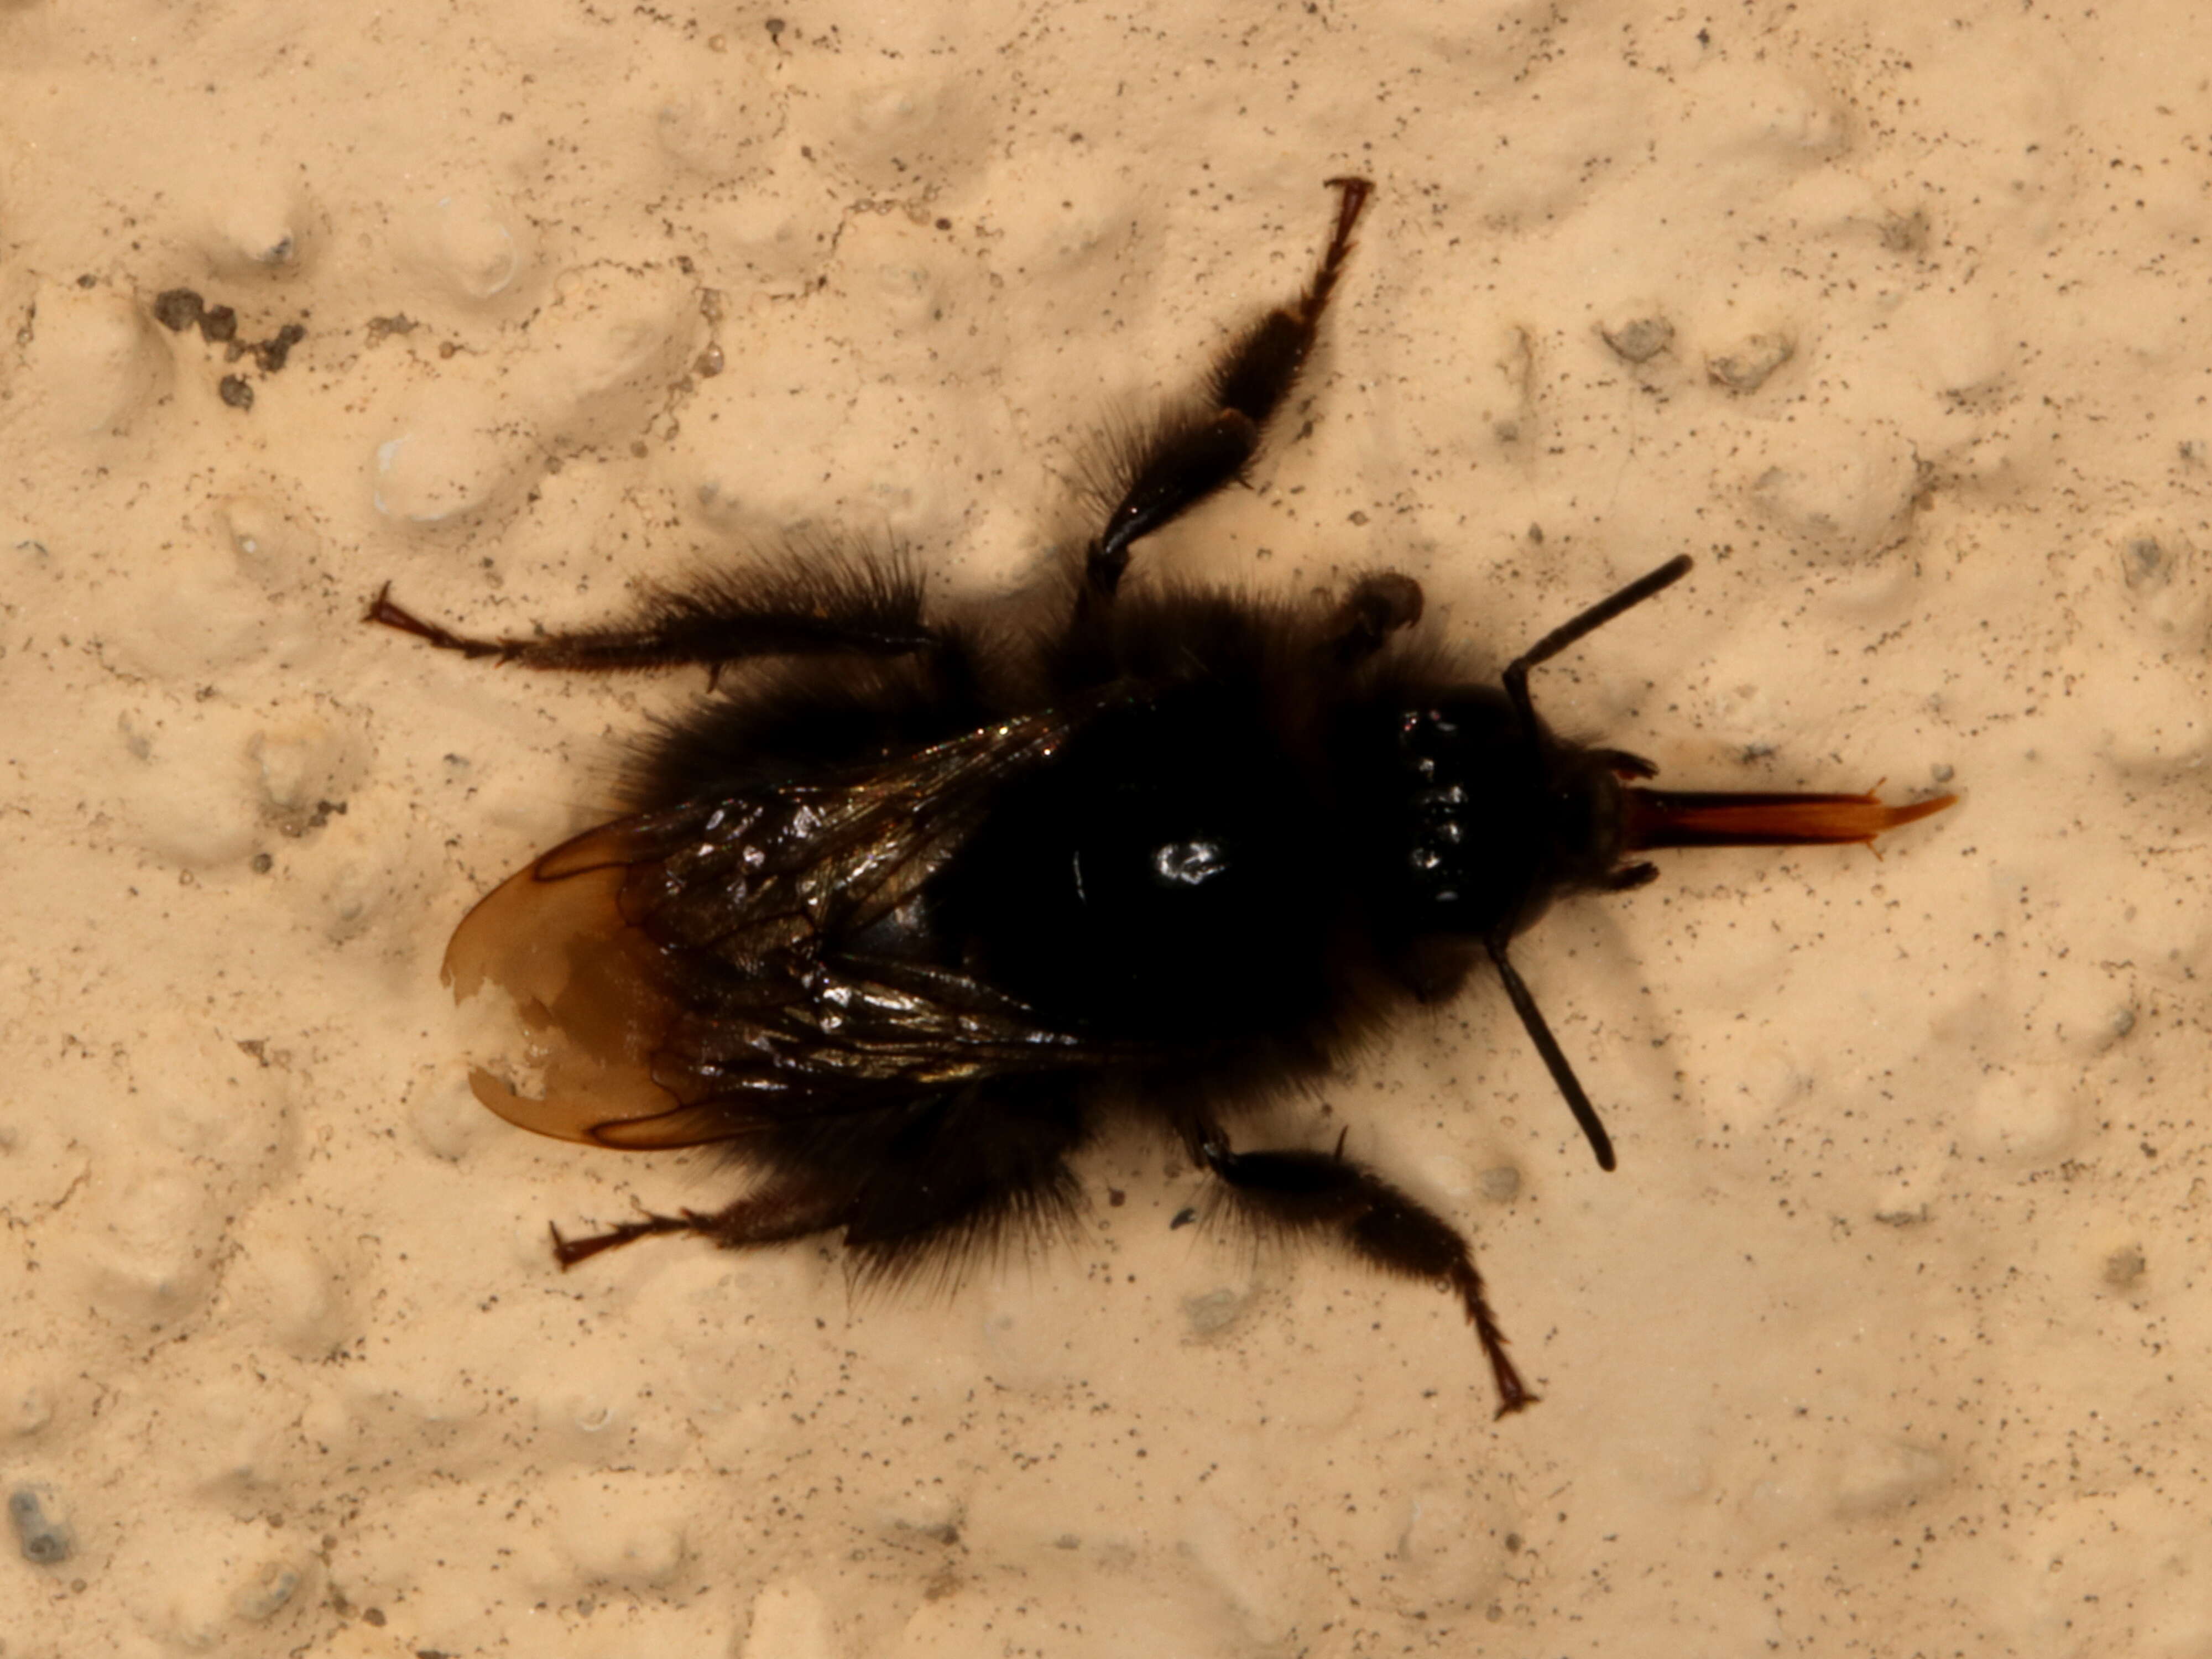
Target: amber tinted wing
(706,973)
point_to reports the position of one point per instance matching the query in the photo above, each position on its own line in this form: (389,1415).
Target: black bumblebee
(904,912)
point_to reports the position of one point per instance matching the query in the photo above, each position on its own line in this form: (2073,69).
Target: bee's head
(1490,819)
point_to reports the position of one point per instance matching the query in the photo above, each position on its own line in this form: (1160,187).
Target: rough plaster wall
(1888,1336)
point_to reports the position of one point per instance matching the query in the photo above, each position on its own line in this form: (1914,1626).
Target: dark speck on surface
(271,353)
(177,308)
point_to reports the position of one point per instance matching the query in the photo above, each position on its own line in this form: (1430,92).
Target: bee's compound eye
(1188,863)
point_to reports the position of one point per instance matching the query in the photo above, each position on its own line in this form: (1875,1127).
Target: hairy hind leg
(788,1207)
(817,602)
(920,1184)
(1325,1193)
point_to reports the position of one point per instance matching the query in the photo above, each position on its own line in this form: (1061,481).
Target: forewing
(696,975)
(552,937)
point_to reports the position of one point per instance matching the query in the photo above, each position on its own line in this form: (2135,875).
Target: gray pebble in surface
(1214,1312)
(44,1540)
(2123,1267)
(268,1592)
(1746,368)
(1640,341)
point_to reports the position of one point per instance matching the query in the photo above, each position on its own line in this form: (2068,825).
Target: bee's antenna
(1516,672)
(1555,1061)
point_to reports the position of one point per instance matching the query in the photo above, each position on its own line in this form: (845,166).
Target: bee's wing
(553,937)
(700,975)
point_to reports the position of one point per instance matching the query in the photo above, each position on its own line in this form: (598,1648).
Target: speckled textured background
(1889,1337)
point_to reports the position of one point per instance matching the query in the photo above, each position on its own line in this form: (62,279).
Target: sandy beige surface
(1888,1337)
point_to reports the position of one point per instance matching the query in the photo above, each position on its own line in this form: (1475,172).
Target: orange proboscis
(1673,818)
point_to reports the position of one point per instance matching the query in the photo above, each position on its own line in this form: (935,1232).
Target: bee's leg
(1622,764)
(1194,452)
(1326,1193)
(788,1207)
(814,603)
(1377,607)
(914,1185)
